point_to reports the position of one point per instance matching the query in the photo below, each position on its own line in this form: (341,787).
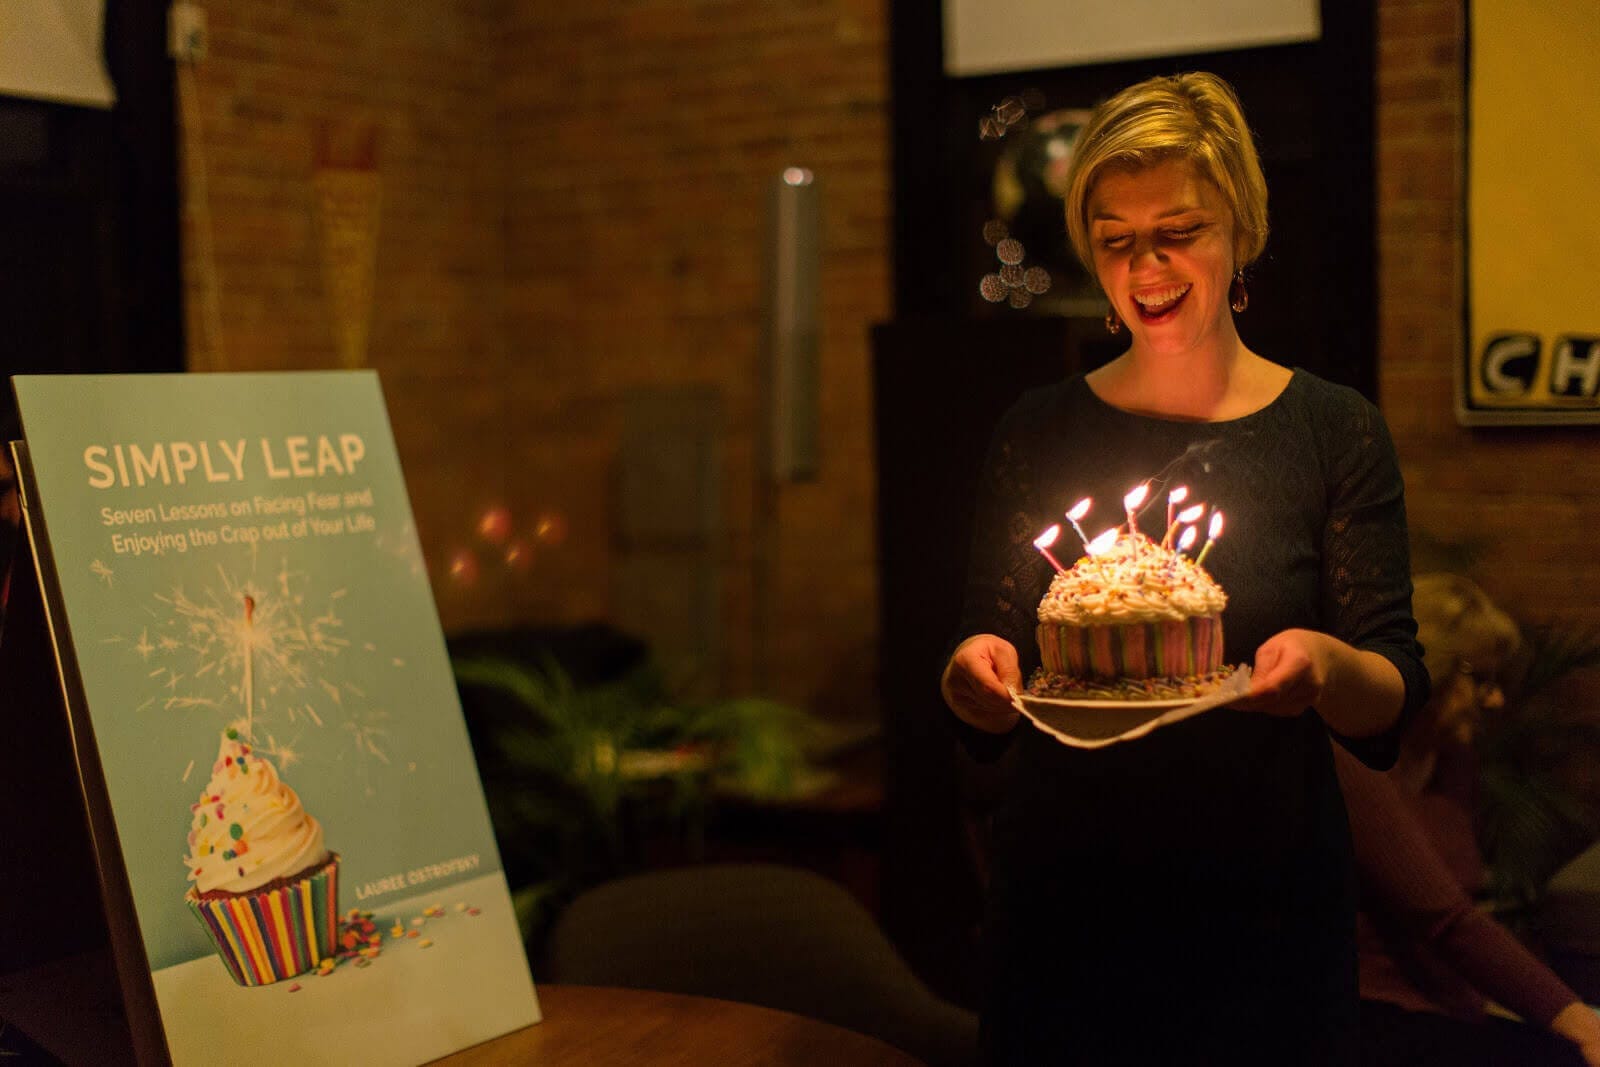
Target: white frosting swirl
(1134,581)
(249,828)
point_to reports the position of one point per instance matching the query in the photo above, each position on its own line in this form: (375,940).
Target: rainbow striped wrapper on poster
(275,933)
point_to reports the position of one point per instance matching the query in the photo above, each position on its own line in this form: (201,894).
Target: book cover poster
(310,855)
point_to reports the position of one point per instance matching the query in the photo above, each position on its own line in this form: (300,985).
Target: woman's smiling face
(1163,245)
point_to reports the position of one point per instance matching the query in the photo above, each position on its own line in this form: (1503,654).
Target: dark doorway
(951,362)
(1312,296)
(89,220)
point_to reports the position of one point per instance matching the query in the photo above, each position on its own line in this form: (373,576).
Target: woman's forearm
(1362,693)
(1358,694)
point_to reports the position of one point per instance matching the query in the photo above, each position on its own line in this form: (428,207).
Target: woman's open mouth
(1158,305)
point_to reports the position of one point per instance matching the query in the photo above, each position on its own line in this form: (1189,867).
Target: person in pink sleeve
(1431,961)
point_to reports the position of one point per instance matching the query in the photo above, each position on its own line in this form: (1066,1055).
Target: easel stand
(58,978)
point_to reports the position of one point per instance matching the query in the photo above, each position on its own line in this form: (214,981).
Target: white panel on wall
(989,36)
(52,50)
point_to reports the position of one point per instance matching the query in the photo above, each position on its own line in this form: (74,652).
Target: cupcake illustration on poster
(264,886)
(235,570)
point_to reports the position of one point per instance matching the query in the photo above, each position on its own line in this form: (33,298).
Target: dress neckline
(1295,377)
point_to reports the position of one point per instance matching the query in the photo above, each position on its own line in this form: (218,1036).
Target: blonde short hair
(1183,116)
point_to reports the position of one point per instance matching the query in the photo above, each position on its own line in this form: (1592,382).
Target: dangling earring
(1238,298)
(1113,323)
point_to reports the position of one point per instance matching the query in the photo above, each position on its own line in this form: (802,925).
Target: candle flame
(1048,538)
(1080,509)
(1102,543)
(249,609)
(1136,496)
(1191,514)
(1178,495)
(1216,526)
(1186,542)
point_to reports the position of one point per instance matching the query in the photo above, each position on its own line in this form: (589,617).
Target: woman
(1188,897)
(1429,957)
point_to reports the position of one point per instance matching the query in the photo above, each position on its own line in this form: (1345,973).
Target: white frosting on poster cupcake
(248,827)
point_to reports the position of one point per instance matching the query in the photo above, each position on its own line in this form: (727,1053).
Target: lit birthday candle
(1130,504)
(1102,544)
(1211,537)
(1184,518)
(1079,510)
(1174,498)
(1186,542)
(1043,543)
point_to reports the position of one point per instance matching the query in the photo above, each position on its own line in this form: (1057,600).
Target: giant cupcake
(264,885)
(1137,621)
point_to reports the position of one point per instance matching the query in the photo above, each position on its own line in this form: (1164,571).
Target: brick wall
(573,202)
(1524,500)
(288,88)
(642,139)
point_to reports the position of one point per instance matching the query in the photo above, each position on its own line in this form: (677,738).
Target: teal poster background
(296,501)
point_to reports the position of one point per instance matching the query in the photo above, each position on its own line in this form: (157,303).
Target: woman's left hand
(1357,693)
(1578,1023)
(1291,671)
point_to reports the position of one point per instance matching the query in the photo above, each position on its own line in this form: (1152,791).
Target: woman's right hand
(978,680)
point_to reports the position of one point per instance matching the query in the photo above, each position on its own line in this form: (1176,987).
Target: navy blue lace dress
(1189,897)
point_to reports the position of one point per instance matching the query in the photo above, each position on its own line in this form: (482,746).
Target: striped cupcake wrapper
(278,933)
(1173,649)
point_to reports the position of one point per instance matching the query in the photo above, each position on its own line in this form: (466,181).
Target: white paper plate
(1097,723)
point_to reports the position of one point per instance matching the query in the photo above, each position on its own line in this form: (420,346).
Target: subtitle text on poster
(251,521)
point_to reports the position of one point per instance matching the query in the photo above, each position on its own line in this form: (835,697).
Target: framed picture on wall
(1026,260)
(1531,352)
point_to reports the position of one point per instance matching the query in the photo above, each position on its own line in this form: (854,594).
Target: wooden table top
(597,1026)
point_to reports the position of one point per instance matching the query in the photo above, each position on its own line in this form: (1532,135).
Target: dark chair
(768,935)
